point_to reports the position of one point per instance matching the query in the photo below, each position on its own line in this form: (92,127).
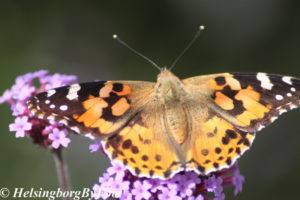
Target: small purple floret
(59,138)
(7,95)
(96,146)
(141,190)
(237,181)
(21,125)
(19,109)
(168,194)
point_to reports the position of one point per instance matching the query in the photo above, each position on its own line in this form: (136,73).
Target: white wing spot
(63,107)
(273,119)
(287,79)
(281,111)
(52,106)
(63,121)
(292,106)
(72,94)
(264,80)
(293,89)
(75,129)
(260,127)
(279,97)
(51,117)
(289,94)
(50,93)
(89,136)
(47,101)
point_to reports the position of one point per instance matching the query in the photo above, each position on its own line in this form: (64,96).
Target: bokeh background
(75,37)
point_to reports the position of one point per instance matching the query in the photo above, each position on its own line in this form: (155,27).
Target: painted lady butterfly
(204,123)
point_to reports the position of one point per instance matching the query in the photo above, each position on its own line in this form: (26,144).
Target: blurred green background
(75,37)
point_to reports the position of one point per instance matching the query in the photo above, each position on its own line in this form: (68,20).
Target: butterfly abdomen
(169,91)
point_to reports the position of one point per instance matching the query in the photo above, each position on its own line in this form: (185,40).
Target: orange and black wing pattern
(96,109)
(237,105)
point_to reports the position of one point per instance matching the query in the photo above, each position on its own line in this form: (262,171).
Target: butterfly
(157,129)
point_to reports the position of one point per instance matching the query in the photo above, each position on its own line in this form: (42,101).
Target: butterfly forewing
(96,109)
(276,94)
(250,101)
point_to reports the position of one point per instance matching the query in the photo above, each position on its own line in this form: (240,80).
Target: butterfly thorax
(169,92)
(168,87)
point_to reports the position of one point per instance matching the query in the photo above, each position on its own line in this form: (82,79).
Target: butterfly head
(168,86)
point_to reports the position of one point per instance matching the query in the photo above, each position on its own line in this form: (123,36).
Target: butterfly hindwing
(217,145)
(144,146)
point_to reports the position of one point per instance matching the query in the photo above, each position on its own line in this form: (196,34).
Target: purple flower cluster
(48,134)
(117,182)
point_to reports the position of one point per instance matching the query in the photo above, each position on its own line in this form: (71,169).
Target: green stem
(62,171)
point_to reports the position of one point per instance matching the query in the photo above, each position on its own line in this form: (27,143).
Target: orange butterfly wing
(236,106)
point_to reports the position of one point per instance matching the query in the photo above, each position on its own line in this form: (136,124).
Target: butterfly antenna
(136,52)
(188,46)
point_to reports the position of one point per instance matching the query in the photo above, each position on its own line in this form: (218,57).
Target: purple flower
(104,178)
(96,191)
(111,187)
(58,138)
(118,187)
(170,184)
(23,87)
(99,192)
(237,181)
(24,93)
(57,80)
(19,109)
(193,177)
(6,96)
(186,184)
(20,126)
(168,194)
(117,169)
(141,190)
(214,184)
(220,196)
(24,79)
(39,74)
(199,197)
(107,186)
(157,184)
(126,195)
(104,190)
(96,146)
